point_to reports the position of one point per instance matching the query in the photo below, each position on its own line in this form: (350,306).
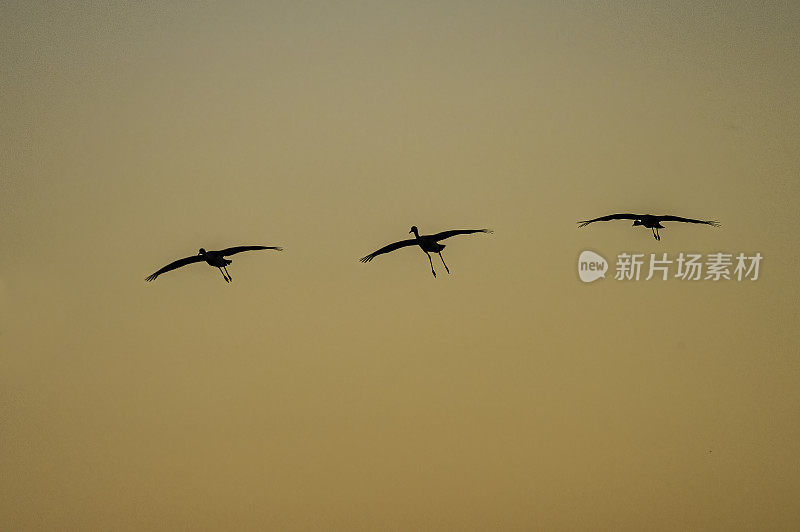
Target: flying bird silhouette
(212,258)
(650,221)
(428,244)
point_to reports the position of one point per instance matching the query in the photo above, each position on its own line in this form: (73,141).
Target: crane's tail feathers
(584,223)
(366,259)
(714,223)
(151,277)
(276,248)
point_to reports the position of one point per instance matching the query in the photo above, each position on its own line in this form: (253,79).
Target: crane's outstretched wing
(177,264)
(454,232)
(669,218)
(387,249)
(238,249)
(626,216)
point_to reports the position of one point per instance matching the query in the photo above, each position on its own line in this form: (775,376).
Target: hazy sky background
(318,393)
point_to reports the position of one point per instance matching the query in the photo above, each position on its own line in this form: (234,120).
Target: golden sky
(318,393)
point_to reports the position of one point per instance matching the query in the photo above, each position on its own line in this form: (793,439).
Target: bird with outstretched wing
(212,258)
(428,244)
(650,221)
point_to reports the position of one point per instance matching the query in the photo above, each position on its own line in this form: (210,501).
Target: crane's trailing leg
(223,274)
(229,275)
(431,261)
(445,265)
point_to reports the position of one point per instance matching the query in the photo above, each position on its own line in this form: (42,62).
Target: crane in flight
(650,221)
(212,258)
(428,243)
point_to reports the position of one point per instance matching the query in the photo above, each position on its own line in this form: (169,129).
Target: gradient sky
(318,393)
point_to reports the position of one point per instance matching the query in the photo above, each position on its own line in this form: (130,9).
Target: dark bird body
(212,258)
(428,244)
(649,220)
